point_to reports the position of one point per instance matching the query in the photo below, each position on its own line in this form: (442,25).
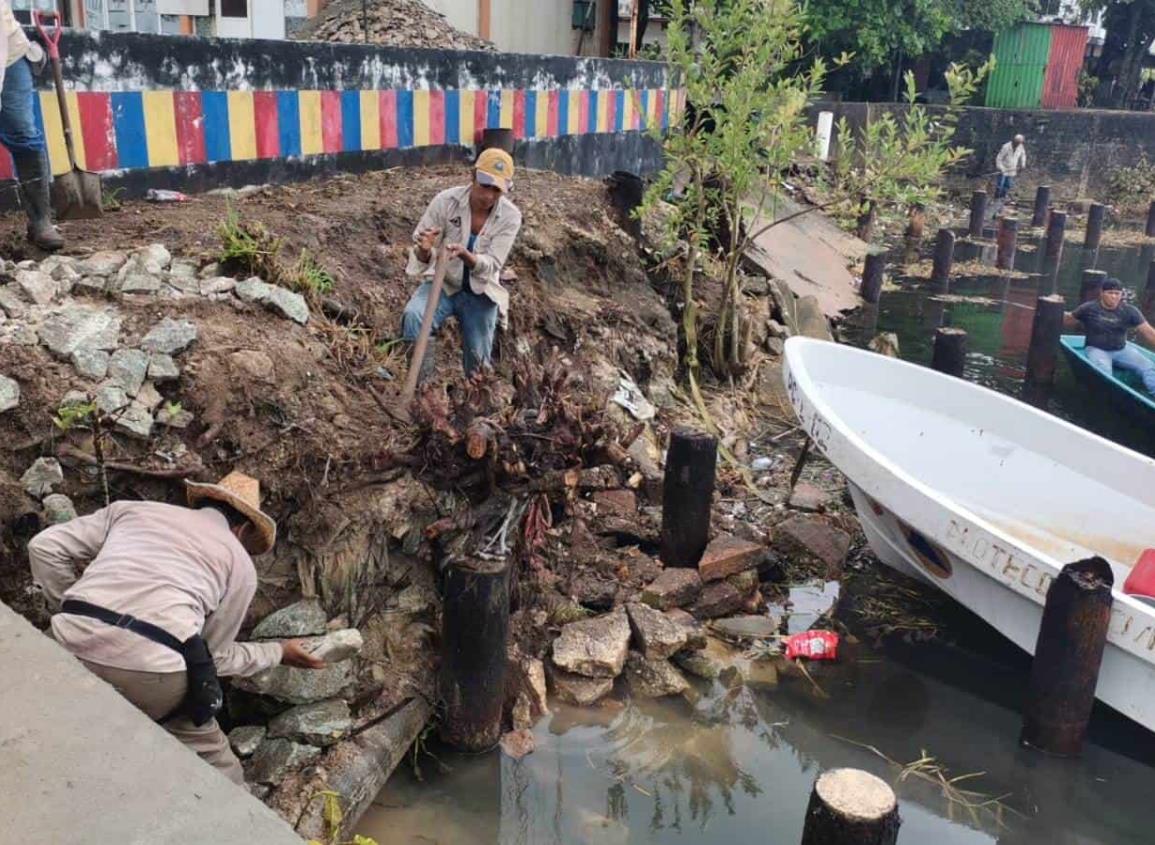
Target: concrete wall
(1074,151)
(193,113)
(516,26)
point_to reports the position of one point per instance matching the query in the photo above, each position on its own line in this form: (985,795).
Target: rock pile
(394,23)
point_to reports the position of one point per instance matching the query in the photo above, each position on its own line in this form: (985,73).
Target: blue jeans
(18,129)
(477,315)
(1127,358)
(1003,185)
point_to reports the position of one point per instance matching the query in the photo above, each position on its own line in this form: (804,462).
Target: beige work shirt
(17,41)
(449,212)
(1011,159)
(178,568)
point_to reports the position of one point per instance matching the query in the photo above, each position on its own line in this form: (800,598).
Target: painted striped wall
(143,129)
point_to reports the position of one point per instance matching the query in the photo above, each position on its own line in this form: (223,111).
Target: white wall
(461,13)
(517,26)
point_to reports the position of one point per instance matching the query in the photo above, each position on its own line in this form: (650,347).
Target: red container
(1061,80)
(812,645)
(1141,581)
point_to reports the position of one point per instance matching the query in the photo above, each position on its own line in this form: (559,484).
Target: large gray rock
(135,421)
(336,646)
(110,398)
(162,368)
(102,264)
(323,723)
(60,267)
(654,678)
(246,739)
(675,587)
(210,270)
(91,363)
(9,394)
(276,758)
(215,285)
(578,689)
(655,634)
(726,556)
(300,686)
(254,290)
(155,258)
(135,281)
(289,304)
(746,627)
(58,508)
(169,337)
(39,479)
(91,284)
(128,368)
(11,303)
(148,397)
(813,540)
(595,648)
(80,327)
(304,619)
(36,286)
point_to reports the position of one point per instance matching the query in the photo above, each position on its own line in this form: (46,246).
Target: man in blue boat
(1106,321)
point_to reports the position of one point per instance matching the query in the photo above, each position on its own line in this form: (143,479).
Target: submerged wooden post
(950,351)
(1068,654)
(1091,284)
(943,259)
(1095,215)
(687,494)
(916,223)
(1147,303)
(851,807)
(1151,220)
(1045,333)
(1056,226)
(1008,241)
(978,214)
(474,638)
(1042,203)
(872,276)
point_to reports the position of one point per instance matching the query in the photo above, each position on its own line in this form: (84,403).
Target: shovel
(401,409)
(76,195)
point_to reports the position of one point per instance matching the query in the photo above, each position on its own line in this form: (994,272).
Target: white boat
(984,497)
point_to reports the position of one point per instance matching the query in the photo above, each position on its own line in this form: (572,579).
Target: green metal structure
(1021,56)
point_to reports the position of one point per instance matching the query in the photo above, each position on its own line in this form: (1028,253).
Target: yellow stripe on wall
(603,124)
(370,120)
(651,108)
(506,110)
(54,132)
(541,114)
(628,109)
(465,119)
(160,128)
(242,125)
(312,141)
(574,117)
(421,118)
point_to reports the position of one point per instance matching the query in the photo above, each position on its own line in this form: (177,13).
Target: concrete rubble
(42,477)
(657,636)
(303,619)
(594,648)
(395,23)
(323,723)
(653,678)
(9,393)
(675,587)
(813,540)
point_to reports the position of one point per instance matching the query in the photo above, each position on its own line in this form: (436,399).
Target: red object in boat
(1141,581)
(813,645)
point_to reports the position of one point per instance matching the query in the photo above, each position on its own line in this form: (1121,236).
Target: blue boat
(1124,389)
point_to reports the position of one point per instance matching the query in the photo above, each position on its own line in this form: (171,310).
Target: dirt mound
(393,23)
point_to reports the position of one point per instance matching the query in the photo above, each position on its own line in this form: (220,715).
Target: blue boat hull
(1123,390)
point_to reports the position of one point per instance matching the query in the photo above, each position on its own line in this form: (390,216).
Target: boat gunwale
(1077,353)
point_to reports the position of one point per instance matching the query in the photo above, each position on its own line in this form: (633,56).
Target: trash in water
(630,397)
(812,645)
(161,195)
(764,464)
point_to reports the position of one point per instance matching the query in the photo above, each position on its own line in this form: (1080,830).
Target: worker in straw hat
(163,593)
(476,224)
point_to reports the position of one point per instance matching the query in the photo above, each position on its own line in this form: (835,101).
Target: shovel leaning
(77,194)
(400,410)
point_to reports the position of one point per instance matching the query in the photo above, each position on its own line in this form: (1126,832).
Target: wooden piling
(1147,303)
(916,223)
(1056,226)
(1091,284)
(1095,216)
(943,259)
(1045,333)
(503,139)
(851,807)
(687,493)
(1042,203)
(1008,237)
(474,638)
(1068,654)
(873,273)
(978,214)
(1151,220)
(950,351)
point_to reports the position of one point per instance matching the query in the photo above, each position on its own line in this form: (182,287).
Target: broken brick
(728,556)
(617,502)
(675,587)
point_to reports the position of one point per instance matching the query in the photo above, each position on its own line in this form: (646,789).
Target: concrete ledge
(79,764)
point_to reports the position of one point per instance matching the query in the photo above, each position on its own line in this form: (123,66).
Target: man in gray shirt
(1106,322)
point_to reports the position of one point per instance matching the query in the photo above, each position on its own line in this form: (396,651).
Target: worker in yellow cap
(477,225)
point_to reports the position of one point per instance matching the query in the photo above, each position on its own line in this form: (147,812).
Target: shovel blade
(77,195)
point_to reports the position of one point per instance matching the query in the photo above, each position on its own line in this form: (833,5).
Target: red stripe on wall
(388,121)
(267,119)
(98,131)
(584,113)
(519,113)
(7,170)
(611,109)
(436,117)
(552,129)
(190,127)
(660,106)
(331,121)
(480,114)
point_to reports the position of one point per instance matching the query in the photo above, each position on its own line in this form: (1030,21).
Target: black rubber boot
(32,168)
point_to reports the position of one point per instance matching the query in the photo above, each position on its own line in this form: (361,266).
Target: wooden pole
(1042,202)
(851,807)
(872,276)
(410,388)
(1147,304)
(1056,226)
(1068,654)
(950,351)
(633,51)
(916,223)
(1095,216)
(474,638)
(687,494)
(1008,241)
(943,258)
(1045,333)
(978,214)
(1091,284)
(1151,220)
(503,139)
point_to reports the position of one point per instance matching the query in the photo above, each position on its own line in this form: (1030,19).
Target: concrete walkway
(79,764)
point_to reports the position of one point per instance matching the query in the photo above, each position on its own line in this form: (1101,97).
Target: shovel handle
(51,36)
(410,389)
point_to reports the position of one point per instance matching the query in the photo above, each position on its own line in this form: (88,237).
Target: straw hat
(243,493)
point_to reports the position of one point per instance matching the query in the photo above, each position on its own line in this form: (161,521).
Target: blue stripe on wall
(453,116)
(218,147)
(563,112)
(351,121)
(645,109)
(128,120)
(289,122)
(531,127)
(493,111)
(620,110)
(404,118)
(593,127)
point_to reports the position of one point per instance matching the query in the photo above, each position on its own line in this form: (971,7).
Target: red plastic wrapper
(813,645)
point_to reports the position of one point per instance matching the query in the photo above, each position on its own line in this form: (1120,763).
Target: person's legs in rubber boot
(34,181)
(22,137)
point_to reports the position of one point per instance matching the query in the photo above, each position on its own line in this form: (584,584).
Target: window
(234,8)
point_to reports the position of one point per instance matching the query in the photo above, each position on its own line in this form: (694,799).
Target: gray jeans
(1127,358)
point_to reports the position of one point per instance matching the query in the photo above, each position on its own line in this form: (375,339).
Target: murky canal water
(738,766)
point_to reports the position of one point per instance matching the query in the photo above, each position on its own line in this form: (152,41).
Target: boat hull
(1129,399)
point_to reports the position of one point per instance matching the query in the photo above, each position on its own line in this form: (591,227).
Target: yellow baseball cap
(494,167)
